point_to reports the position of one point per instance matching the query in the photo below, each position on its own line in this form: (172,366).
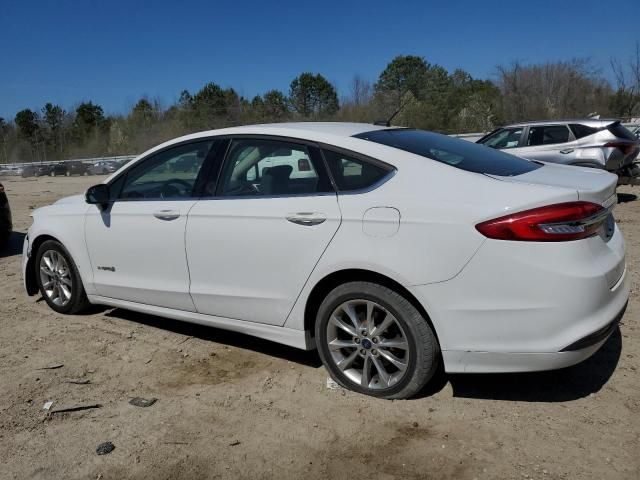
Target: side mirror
(98,195)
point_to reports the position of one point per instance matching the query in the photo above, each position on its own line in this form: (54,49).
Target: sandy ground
(230,406)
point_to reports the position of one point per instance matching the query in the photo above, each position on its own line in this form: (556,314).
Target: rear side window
(351,173)
(581,131)
(260,167)
(457,153)
(621,131)
(547,135)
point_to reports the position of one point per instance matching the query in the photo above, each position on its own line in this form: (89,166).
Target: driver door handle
(307,219)
(167,215)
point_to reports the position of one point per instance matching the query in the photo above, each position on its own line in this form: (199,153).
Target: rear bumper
(521,306)
(504,362)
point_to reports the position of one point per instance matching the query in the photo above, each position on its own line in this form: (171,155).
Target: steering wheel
(175,187)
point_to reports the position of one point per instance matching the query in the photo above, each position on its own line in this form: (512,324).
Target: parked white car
(401,249)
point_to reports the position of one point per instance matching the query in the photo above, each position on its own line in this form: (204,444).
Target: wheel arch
(334,279)
(31,282)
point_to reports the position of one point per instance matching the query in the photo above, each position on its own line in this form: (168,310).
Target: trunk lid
(591,184)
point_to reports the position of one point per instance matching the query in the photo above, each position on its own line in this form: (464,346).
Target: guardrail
(118,158)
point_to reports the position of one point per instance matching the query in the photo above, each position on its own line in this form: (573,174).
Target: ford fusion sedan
(387,249)
(605,144)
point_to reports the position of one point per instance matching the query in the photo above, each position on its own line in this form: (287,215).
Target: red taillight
(303,165)
(624,147)
(554,223)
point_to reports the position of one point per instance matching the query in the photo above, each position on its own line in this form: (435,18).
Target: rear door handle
(307,219)
(166,215)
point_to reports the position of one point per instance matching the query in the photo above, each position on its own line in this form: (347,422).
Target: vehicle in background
(58,169)
(634,129)
(104,167)
(604,144)
(5,218)
(76,167)
(10,170)
(36,170)
(184,164)
(389,250)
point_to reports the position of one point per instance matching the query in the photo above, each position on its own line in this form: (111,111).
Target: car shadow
(627,197)
(562,385)
(225,337)
(14,245)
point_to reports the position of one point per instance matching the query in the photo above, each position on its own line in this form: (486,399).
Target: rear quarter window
(456,153)
(351,173)
(581,131)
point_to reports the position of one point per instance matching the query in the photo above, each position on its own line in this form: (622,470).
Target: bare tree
(552,90)
(626,100)
(361,91)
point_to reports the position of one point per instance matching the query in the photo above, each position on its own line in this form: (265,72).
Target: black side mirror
(98,195)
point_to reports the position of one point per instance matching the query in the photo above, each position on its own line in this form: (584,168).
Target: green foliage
(312,96)
(275,105)
(27,123)
(89,119)
(432,98)
(404,74)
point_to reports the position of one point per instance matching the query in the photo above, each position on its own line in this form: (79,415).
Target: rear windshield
(621,131)
(461,154)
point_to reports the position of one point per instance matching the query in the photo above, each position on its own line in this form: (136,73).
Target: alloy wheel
(368,344)
(55,278)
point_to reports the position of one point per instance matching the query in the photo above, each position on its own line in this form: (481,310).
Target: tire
(418,347)
(77,299)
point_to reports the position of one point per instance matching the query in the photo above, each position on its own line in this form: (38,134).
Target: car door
(136,245)
(253,244)
(547,143)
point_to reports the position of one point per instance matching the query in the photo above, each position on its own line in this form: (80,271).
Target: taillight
(553,223)
(625,147)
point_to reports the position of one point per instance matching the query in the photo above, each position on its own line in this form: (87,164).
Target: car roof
(589,122)
(323,132)
(303,130)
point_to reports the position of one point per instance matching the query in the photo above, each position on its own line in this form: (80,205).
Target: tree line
(426,95)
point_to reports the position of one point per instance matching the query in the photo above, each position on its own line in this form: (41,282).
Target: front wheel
(374,341)
(58,278)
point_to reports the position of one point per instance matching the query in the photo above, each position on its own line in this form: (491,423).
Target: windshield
(452,151)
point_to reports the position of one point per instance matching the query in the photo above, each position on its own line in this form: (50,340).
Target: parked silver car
(103,168)
(588,143)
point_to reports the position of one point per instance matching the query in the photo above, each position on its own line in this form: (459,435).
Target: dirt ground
(231,406)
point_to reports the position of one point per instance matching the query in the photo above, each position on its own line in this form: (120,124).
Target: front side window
(170,174)
(350,173)
(257,167)
(547,135)
(503,138)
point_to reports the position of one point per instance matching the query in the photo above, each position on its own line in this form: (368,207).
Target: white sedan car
(395,249)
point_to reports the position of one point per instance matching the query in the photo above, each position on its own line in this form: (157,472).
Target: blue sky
(113,52)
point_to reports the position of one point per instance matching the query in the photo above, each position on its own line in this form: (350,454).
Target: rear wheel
(58,278)
(374,341)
